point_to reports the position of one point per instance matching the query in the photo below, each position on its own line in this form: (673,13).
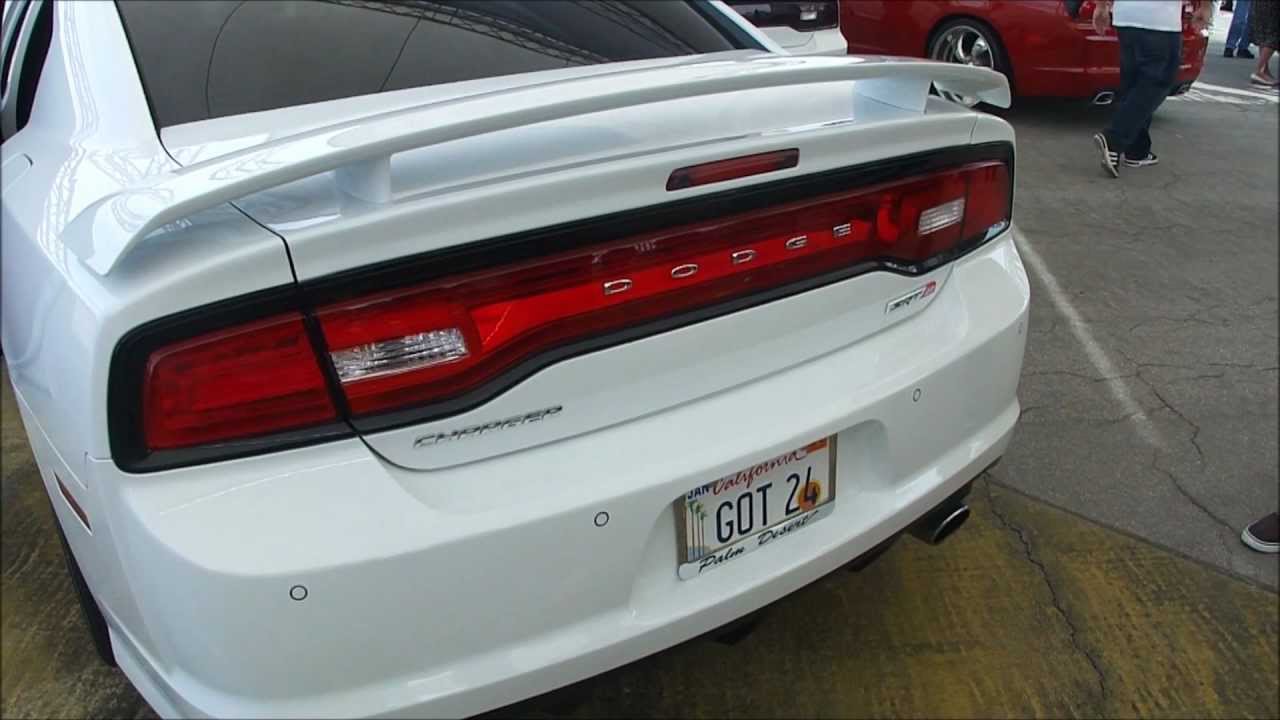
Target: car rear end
(575,365)
(1101,54)
(801,27)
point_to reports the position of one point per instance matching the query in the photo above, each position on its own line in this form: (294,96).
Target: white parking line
(1198,95)
(1117,385)
(1271,96)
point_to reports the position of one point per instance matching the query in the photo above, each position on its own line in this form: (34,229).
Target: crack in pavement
(1194,439)
(1177,321)
(1182,490)
(1026,410)
(1142,365)
(1195,428)
(1210,376)
(1080,375)
(1072,633)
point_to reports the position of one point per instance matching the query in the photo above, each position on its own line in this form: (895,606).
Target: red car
(1045,47)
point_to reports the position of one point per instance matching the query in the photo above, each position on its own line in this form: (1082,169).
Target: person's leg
(1138,154)
(1128,65)
(1262,73)
(1237,34)
(1128,78)
(1156,56)
(1140,148)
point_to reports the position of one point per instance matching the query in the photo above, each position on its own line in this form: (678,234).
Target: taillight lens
(226,386)
(252,380)
(437,340)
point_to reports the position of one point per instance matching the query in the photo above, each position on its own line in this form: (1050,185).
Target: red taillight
(247,381)
(425,350)
(437,340)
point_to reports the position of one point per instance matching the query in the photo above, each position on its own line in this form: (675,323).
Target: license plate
(736,514)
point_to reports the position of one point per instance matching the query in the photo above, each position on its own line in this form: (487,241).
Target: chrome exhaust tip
(1106,97)
(941,522)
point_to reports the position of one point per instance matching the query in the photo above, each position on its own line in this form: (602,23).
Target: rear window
(209,59)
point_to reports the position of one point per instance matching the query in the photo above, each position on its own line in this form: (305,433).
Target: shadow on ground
(1028,611)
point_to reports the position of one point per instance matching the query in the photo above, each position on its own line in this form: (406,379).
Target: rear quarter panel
(890,27)
(1102,60)
(90,135)
(1043,46)
(1050,53)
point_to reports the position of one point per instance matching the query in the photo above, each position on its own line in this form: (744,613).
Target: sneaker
(1263,535)
(1256,79)
(1229,52)
(1244,53)
(1110,160)
(1150,159)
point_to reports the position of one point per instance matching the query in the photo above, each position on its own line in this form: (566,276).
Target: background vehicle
(801,27)
(372,353)
(1045,47)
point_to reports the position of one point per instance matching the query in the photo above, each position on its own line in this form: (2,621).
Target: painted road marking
(1118,386)
(1265,95)
(1194,95)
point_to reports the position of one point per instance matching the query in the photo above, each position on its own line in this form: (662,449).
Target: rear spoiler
(359,151)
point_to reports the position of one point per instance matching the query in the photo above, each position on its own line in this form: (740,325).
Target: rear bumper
(429,603)
(1095,68)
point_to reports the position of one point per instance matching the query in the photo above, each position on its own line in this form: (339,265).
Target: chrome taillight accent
(940,216)
(402,354)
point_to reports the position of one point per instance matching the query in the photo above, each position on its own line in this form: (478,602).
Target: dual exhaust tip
(939,523)
(935,526)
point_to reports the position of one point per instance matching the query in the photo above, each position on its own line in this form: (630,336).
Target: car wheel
(967,42)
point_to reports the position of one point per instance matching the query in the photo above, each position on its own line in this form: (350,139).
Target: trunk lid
(594,175)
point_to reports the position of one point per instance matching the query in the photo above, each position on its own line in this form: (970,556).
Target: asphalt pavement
(1149,388)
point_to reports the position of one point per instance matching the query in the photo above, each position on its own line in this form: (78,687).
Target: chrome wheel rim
(964,45)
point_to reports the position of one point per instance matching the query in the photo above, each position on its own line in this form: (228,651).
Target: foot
(1263,535)
(1229,52)
(1263,80)
(1110,160)
(1150,159)
(1244,53)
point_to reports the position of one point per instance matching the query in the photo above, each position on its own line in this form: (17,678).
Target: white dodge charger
(416,358)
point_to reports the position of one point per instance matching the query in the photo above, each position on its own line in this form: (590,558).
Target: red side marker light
(71,502)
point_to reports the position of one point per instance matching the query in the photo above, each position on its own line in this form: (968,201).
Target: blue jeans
(1238,33)
(1149,61)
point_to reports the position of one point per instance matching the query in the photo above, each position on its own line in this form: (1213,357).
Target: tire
(967,41)
(88,606)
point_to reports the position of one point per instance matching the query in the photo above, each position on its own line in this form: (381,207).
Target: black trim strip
(124,411)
